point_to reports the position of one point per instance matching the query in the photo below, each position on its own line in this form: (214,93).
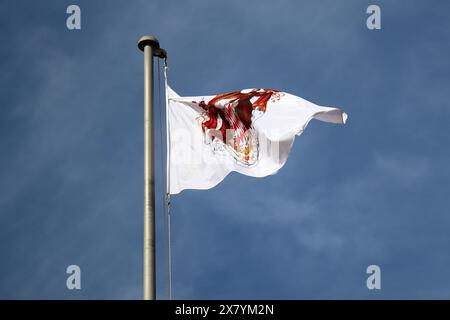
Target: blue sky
(374,191)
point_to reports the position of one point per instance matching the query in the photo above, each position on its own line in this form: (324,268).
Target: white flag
(248,131)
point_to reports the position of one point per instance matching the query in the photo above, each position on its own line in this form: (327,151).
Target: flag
(248,131)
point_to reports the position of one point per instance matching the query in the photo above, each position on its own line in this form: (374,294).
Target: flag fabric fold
(248,131)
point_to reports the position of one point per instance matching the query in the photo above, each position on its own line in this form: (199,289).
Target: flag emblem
(227,122)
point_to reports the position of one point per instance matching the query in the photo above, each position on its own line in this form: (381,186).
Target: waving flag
(249,131)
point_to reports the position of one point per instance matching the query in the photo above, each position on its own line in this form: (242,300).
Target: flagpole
(150,46)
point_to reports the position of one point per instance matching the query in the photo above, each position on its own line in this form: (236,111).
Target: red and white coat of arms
(227,122)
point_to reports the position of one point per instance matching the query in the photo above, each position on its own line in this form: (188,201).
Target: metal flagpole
(150,46)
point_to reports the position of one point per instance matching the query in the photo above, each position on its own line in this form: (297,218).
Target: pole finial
(148,40)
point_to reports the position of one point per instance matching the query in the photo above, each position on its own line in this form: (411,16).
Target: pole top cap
(148,41)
